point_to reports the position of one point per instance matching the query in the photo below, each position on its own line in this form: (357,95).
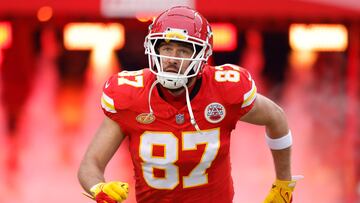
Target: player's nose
(173,61)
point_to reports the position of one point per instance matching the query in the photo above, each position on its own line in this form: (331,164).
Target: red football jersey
(172,161)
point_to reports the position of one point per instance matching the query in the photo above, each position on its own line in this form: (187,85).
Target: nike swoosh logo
(107,84)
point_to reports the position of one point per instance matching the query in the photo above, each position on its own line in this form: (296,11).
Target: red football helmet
(180,24)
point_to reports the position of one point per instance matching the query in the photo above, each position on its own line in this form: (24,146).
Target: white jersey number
(222,75)
(132,78)
(169,142)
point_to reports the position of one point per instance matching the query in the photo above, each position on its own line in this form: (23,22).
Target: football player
(178,115)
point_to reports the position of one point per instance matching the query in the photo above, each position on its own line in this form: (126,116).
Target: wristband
(279,143)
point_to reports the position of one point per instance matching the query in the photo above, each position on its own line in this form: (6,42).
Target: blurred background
(55,56)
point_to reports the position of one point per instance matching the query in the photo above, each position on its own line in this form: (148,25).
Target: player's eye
(166,49)
(184,53)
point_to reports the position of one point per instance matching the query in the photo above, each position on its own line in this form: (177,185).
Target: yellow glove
(281,191)
(111,192)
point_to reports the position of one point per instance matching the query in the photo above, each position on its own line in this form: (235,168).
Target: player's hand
(110,192)
(281,191)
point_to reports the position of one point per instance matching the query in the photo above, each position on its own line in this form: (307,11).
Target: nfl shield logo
(215,112)
(180,119)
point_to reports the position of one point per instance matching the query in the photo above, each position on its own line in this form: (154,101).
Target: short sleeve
(236,86)
(249,89)
(108,97)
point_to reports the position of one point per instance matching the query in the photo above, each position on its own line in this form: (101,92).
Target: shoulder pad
(235,84)
(121,89)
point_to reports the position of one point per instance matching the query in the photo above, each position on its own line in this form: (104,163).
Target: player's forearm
(89,175)
(282,163)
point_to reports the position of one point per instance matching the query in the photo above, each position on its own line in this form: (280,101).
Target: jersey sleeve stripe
(107,103)
(250,96)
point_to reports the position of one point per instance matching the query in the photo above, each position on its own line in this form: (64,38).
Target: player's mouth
(171,69)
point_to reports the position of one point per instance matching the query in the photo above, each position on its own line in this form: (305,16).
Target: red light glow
(44,13)
(225,36)
(5,35)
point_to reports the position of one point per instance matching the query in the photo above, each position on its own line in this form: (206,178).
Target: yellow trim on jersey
(107,103)
(250,96)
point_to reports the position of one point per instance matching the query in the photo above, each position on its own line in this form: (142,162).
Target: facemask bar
(162,68)
(158,58)
(196,61)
